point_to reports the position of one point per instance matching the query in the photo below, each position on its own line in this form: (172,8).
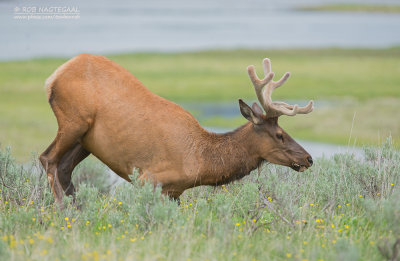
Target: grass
(370,8)
(367,77)
(340,209)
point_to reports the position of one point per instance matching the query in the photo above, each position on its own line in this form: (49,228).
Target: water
(180,25)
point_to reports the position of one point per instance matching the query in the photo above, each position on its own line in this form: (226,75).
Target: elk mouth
(297,167)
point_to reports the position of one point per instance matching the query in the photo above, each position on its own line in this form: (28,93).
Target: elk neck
(228,157)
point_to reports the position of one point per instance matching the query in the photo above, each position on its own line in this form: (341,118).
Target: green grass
(340,209)
(355,8)
(367,77)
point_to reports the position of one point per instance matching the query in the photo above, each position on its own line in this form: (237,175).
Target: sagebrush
(343,208)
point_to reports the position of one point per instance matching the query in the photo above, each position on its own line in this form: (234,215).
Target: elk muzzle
(302,166)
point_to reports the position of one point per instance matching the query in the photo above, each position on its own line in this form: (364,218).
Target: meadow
(342,208)
(357,91)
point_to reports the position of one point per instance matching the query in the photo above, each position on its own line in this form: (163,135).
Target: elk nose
(309,159)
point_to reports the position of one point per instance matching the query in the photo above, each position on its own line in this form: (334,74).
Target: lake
(180,25)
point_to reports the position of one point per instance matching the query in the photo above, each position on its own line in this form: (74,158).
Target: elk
(104,110)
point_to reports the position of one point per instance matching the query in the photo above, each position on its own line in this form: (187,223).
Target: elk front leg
(173,195)
(163,179)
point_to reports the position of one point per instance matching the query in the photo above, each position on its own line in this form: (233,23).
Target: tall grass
(343,208)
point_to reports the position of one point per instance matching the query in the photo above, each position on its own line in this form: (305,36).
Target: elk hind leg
(65,140)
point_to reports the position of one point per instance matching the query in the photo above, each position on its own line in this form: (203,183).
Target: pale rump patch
(49,81)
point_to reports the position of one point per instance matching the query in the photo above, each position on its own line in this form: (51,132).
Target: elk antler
(274,109)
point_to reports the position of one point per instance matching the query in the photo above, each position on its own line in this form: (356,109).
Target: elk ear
(257,109)
(249,114)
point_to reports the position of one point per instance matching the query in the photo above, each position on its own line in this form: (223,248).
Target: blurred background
(343,54)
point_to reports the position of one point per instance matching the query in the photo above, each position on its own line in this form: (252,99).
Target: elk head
(273,143)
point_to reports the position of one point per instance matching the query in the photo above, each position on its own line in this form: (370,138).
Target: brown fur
(103,109)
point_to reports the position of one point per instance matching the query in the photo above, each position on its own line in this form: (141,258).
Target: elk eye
(279,136)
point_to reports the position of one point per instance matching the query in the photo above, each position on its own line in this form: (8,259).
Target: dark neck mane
(227,157)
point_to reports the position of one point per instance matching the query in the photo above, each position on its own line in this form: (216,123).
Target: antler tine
(259,84)
(282,80)
(267,66)
(292,110)
(306,109)
(274,109)
(267,70)
(255,80)
(253,76)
